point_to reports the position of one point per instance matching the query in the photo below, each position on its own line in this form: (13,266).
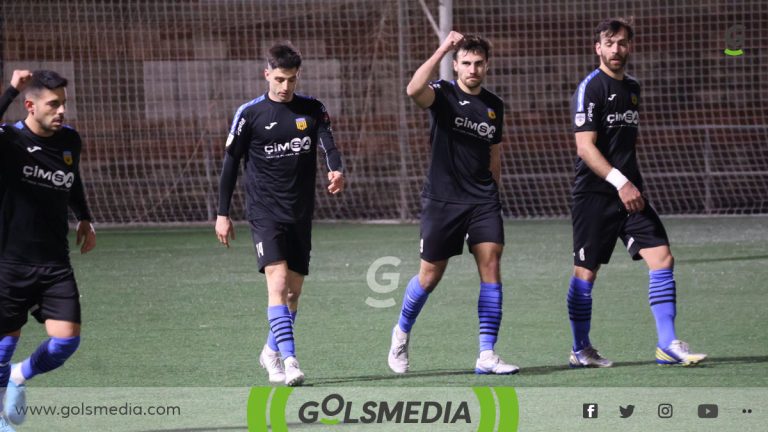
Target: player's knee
(669,262)
(585,274)
(293,295)
(666,261)
(62,348)
(429,281)
(490,270)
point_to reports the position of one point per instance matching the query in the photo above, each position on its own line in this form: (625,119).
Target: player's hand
(86,236)
(224,230)
(451,41)
(20,79)
(631,198)
(337,182)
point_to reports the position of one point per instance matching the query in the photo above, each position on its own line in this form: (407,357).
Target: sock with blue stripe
(489,311)
(7,347)
(413,300)
(49,355)
(580,311)
(282,327)
(662,297)
(271,341)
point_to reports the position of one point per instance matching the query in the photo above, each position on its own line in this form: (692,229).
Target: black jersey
(463,129)
(39,179)
(611,108)
(279,144)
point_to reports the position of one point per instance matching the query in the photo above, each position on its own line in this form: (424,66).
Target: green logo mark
(734,40)
(499,410)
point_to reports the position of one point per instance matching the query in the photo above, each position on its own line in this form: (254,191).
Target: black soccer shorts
(599,220)
(445,226)
(278,241)
(47,292)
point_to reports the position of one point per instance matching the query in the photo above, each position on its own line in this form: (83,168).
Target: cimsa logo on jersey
(483,129)
(629,117)
(57,178)
(294,146)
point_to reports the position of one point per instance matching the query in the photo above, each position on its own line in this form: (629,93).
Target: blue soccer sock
(662,298)
(7,347)
(580,311)
(271,341)
(282,327)
(49,355)
(413,300)
(489,311)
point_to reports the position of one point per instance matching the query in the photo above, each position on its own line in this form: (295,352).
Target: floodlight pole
(446,25)
(445,16)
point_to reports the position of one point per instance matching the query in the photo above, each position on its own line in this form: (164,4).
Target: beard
(615,68)
(472,83)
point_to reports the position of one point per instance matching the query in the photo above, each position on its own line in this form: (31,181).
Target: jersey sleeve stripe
(240,110)
(583,90)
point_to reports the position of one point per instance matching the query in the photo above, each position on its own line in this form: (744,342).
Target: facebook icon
(590,410)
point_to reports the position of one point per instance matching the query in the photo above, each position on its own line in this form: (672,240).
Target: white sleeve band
(616,178)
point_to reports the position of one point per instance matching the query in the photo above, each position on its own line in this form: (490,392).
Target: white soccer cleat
(5,425)
(489,363)
(588,357)
(678,353)
(270,360)
(398,351)
(293,375)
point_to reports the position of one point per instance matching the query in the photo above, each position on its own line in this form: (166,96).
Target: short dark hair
(47,79)
(611,26)
(474,44)
(284,55)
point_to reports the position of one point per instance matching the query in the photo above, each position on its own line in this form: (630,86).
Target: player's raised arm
(590,154)
(418,89)
(20,79)
(19,82)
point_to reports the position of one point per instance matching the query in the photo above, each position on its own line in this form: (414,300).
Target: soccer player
(608,200)
(278,134)
(460,199)
(39,180)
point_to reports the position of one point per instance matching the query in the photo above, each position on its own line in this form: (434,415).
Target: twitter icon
(626,412)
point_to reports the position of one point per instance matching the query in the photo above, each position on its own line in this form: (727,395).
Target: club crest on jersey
(634,99)
(491,114)
(68,157)
(579,119)
(301,123)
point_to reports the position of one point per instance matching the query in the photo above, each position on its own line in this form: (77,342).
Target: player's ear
(597,48)
(29,105)
(455,66)
(266,74)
